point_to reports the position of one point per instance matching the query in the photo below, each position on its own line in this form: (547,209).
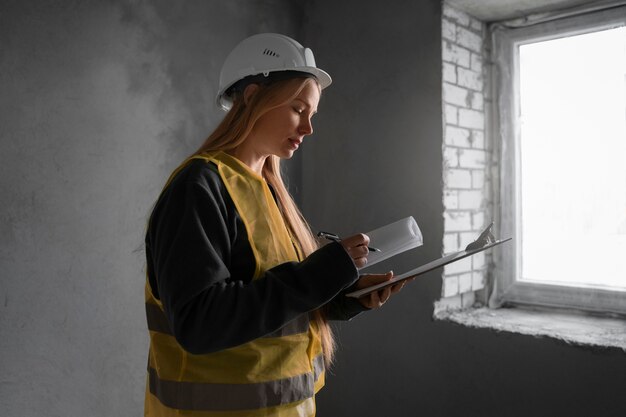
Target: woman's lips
(295,143)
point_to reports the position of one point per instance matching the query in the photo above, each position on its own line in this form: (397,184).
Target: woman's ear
(248,92)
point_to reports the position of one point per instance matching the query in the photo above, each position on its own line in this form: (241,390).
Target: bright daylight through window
(572,155)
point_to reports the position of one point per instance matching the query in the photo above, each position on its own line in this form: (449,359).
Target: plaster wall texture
(100,100)
(376,157)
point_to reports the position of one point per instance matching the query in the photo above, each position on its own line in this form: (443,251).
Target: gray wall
(100,100)
(376,156)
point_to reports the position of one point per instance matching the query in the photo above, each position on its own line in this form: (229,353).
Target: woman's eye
(297,110)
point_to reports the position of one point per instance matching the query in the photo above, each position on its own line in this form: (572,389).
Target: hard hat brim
(322,77)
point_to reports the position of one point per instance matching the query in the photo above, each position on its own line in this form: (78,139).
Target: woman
(238,294)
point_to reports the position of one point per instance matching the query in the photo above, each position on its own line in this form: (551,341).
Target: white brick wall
(466,157)
(458,178)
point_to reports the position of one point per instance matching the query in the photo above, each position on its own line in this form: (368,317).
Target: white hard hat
(266,53)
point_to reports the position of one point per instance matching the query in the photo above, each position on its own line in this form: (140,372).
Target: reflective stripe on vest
(230,397)
(236,380)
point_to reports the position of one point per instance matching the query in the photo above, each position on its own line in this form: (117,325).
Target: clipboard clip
(485,238)
(335,238)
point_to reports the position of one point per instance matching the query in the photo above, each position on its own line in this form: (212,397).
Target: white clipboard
(448,259)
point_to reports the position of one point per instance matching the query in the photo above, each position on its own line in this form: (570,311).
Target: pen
(335,238)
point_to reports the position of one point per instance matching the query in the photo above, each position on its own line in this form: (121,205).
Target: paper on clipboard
(394,239)
(453,257)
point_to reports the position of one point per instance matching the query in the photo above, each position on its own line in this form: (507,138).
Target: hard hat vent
(270,53)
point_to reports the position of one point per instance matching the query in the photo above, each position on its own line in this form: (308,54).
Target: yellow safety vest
(276,375)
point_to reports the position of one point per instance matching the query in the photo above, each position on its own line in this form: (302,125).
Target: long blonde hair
(233,130)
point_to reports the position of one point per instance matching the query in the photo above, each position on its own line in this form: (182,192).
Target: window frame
(507,288)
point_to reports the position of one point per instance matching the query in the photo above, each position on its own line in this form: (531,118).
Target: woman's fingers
(397,287)
(356,240)
(384,294)
(356,246)
(377,298)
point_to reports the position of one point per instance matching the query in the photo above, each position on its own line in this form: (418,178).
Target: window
(562,117)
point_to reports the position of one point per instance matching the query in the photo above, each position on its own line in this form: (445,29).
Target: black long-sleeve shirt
(200,265)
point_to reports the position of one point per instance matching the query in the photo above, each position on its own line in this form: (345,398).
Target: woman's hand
(356,246)
(378,298)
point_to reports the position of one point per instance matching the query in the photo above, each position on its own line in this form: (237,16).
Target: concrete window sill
(570,327)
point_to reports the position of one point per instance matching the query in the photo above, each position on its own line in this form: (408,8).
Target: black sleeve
(189,247)
(344,308)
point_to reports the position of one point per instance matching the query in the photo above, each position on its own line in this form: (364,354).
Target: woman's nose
(306,127)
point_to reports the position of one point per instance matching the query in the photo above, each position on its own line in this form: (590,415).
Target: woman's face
(281,130)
